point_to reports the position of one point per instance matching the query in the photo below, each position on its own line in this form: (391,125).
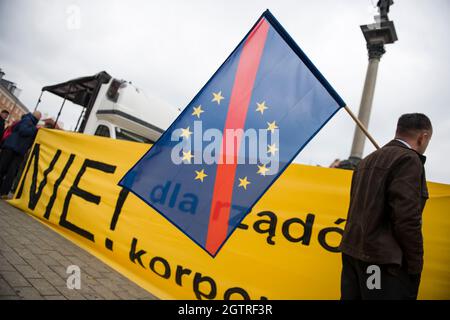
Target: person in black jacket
(14,149)
(3,116)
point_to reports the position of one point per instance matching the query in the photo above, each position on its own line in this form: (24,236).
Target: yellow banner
(284,249)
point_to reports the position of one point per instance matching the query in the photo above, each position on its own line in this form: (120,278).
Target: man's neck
(404,142)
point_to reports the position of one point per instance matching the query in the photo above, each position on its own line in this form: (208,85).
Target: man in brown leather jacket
(383,232)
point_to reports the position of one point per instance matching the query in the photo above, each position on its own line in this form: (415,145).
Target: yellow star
(187,156)
(200,175)
(217,97)
(185,133)
(262,170)
(272,148)
(197,111)
(261,107)
(272,126)
(243,182)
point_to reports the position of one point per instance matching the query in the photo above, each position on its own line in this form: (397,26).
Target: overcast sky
(171,48)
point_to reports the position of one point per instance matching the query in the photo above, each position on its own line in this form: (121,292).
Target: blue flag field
(236,137)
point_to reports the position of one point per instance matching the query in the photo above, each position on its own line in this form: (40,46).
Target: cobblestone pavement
(34,260)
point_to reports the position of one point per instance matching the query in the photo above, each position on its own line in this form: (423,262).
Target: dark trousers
(10,162)
(357,281)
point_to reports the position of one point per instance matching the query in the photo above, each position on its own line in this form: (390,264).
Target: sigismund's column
(377,35)
(375,52)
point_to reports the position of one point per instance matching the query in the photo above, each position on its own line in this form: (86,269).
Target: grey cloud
(171,48)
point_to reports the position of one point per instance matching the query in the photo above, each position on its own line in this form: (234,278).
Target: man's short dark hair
(5,111)
(411,123)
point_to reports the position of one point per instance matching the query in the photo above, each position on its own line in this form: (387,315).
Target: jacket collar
(32,118)
(396,143)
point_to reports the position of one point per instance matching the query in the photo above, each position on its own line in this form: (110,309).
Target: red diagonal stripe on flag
(237,113)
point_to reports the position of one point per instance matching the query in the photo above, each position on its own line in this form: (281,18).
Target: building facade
(9,100)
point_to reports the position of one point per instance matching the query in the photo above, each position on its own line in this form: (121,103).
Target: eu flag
(235,138)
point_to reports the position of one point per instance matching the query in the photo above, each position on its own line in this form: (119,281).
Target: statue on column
(383,7)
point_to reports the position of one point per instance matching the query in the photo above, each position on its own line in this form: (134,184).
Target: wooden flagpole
(362,127)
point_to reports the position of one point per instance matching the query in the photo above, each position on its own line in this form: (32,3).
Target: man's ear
(420,138)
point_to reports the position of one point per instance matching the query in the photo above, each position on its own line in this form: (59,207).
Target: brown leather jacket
(387,197)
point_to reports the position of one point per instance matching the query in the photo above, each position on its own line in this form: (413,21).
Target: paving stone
(72,294)
(104,292)
(59,257)
(25,253)
(29,293)
(55,298)
(9,297)
(28,271)
(13,257)
(93,296)
(49,261)
(15,279)
(44,287)
(54,278)
(34,260)
(5,265)
(5,288)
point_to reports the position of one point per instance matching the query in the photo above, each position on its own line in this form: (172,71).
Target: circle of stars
(197,111)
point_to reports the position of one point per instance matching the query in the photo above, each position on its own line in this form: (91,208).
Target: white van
(115,108)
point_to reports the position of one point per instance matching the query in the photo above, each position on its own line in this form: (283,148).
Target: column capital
(375,50)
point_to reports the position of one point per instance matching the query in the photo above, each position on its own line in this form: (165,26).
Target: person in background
(14,148)
(3,116)
(383,232)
